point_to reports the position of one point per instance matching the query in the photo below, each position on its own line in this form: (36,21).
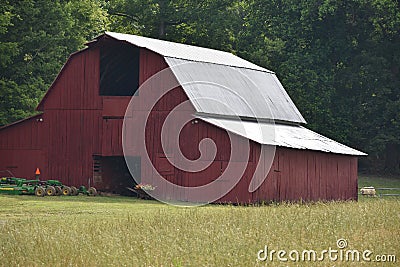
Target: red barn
(78,135)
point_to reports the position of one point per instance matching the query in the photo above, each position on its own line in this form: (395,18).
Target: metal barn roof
(183,51)
(221,83)
(226,90)
(292,136)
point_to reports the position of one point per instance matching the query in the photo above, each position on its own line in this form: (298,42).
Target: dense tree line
(338,59)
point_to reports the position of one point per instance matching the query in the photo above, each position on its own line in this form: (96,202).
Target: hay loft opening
(119,70)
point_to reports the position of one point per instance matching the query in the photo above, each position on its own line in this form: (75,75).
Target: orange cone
(37,171)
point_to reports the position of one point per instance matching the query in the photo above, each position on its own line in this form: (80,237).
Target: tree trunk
(162,24)
(161,30)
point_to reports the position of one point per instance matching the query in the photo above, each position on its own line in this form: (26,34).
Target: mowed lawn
(123,231)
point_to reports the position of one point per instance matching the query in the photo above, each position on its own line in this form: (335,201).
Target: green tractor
(55,187)
(21,186)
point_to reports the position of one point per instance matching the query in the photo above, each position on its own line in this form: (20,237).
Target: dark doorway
(119,70)
(112,175)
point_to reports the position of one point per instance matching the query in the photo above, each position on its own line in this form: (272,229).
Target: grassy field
(123,231)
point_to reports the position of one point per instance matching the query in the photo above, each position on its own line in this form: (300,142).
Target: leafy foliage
(36,38)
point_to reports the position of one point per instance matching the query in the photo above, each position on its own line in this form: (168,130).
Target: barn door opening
(119,69)
(111,174)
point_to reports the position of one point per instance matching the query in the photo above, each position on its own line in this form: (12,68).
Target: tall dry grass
(121,231)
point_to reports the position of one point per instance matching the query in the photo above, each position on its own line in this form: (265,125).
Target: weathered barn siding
(72,120)
(24,134)
(309,175)
(72,143)
(21,148)
(295,174)
(77,85)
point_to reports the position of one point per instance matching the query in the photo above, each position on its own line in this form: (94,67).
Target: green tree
(209,23)
(339,61)
(36,38)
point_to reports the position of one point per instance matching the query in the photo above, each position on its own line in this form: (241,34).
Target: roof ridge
(167,41)
(185,51)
